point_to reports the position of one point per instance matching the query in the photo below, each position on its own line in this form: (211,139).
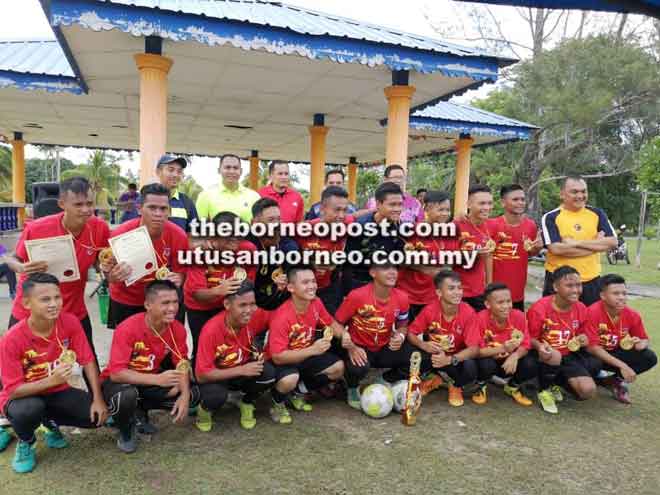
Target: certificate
(60,254)
(136,250)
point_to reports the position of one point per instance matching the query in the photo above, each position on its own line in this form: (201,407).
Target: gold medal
(239,274)
(68,357)
(328,333)
(105,255)
(574,345)
(517,336)
(409,246)
(162,273)
(491,245)
(529,244)
(627,342)
(276,274)
(184,366)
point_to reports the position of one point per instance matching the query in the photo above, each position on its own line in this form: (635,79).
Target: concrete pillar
(398,116)
(318,133)
(352,179)
(18,174)
(463,156)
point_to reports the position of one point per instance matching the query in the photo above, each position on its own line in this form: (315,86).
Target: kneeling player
(443,323)
(559,327)
(139,376)
(229,359)
(503,339)
(37,358)
(303,360)
(377,317)
(622,336)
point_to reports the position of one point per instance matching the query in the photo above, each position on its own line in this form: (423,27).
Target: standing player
(377,319)
(560,327)
(90,235)
(148,367)
(474,236)
(503,339)
(440,331)
(622,336)
(295,348)
(37,357)
(167,239)
(516,239)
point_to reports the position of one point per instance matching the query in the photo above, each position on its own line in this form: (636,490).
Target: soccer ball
(377,401)
(399,390)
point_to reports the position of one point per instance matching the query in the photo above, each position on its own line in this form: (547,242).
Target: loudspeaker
(44,199)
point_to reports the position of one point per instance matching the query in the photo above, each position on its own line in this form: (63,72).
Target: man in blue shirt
(332,178)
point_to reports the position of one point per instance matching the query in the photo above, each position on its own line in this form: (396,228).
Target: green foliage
(42,170)
(190,187)
(649,175)
(104,174)
(368,179)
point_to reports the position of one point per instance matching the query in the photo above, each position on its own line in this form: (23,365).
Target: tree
(5,174)
(104,175)
(190,187)
(649,175)
(39,170)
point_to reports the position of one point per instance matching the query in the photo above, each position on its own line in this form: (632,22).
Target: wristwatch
(454,361)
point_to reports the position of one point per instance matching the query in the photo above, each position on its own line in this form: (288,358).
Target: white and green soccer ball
(377,401)
(399,390)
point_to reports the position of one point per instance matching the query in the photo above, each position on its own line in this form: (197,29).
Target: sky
(24,19)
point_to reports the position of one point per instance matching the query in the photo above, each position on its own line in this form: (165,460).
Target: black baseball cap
(167,159)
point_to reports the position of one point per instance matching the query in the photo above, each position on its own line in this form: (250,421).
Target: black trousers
(124,399)
(331,297)
(397,361)
(213,395)
(69,407)
(5,271)
(196,321)
(519,305)
(310,370)
(477,302)
(590,289)
(527,369)
(639,361)
(464,373)
(414,311)
(573,365)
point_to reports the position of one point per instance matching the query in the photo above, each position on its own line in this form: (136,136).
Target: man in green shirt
(229,195)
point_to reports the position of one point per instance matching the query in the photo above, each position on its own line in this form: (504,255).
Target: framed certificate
(136,250)
(60,254)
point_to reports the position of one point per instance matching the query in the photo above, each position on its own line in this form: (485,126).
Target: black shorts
(308,368)
(579,364)
(118,312)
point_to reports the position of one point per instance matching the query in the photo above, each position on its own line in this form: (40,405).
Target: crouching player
(302,358)
(560,328)
(439,331)
(622,337)
(503,339)
(37,358)
(230,360)
(149,366)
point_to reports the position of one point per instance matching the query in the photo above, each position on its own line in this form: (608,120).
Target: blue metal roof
(31,65)
(276,28)
(647,7)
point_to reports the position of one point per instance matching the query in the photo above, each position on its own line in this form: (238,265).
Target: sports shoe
(127,441)
(430,383)
(24,459)
(353,398)
(547,400)
(204,421)
(557,393)
(299,404)
(480,397)
(517,395)
(142,423)
(55,439)
(455,396)
(248,420)
(280,414)
(620,391)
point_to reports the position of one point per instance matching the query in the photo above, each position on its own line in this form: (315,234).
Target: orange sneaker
(480,397)
(517,395)
(455,396)
(430,384)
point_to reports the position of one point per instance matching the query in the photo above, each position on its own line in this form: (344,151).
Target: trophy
(413,400)
(445,342)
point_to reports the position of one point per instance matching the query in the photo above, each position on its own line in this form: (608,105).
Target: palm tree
(104,175)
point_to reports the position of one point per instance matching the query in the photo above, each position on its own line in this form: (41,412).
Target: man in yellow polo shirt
(230,195)
(575,235)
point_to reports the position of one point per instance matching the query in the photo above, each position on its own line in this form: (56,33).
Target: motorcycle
(621,251)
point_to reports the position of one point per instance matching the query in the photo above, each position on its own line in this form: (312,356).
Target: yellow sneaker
(480,397)
(455,396)
(517,395)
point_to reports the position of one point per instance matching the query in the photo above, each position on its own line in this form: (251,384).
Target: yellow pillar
(18,174)
(352,179)
(318,133)
(153,111)
(254,170)
(463,155)
(398,116)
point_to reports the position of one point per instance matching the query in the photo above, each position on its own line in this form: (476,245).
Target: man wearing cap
(230,194)
(169,171)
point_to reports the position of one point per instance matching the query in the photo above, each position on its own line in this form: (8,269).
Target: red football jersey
(610,332)
(432,323)
(472,237)
(510,258)
(371,321)
(222,348)
(484,331)
(290,331)
(556,328)
(87,244)
(26,357)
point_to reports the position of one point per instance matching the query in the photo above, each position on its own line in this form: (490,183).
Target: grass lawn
(597,447)
(647,273)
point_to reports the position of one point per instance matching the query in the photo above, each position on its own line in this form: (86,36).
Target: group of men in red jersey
(292,330)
